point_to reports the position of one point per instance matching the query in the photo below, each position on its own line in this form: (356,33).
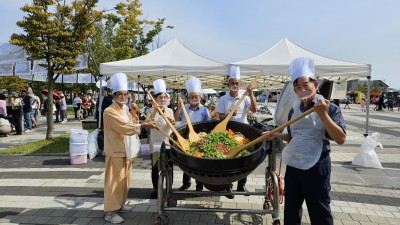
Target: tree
(122,35)
(12,83)
(56,32)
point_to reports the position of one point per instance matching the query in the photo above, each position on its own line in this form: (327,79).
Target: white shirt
(227,102)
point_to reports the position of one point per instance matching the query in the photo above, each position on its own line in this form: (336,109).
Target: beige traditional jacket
(115,127)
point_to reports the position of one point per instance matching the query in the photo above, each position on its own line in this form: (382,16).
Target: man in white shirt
(228,101)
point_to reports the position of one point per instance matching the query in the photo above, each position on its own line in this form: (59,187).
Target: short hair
(2,96)
(295,81)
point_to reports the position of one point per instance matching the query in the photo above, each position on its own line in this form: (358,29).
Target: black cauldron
(216,174)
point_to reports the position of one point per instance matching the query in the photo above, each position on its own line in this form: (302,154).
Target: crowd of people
(20,114)
(381,103)
(20,111)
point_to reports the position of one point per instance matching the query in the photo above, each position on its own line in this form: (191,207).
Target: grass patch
(60,144)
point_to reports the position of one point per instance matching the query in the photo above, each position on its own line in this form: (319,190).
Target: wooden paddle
(193,136)
(182,141)
(234,152)
(161,130)
(221,126)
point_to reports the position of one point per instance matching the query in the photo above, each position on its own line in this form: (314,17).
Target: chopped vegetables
(217,145)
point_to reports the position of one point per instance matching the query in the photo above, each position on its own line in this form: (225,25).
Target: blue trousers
(28,120)
(313,186)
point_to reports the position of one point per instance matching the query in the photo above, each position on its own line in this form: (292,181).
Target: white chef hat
(300,67)
(119,82)
(193,85)
(235,72)
(159,86)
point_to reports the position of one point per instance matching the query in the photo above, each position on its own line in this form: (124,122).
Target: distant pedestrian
(58,110)
(390,104)
(27,110)
(63,109)
(16,113)
(348,99)
(362,105)
(380,103)
(77,104)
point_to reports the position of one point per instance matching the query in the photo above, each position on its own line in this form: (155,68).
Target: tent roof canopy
(173,62)
(276,60)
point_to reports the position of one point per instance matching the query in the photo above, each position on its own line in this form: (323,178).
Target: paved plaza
(46,189)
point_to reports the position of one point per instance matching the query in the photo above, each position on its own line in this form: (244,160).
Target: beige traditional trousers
(117,179)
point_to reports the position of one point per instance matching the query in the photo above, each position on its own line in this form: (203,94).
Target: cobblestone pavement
(46,189)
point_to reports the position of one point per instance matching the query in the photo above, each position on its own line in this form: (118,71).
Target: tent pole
(100,102)
(368,101)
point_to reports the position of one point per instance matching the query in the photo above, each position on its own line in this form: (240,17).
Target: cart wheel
(171,202)
(276,222)
(164,220)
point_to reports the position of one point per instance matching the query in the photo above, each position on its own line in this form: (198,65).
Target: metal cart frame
(167,202)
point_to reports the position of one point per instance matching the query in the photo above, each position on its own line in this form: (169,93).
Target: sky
(361,31)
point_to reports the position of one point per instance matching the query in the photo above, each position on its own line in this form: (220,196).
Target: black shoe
(230,196)
(199,188)
(154,195)
(184,187)
(241,188)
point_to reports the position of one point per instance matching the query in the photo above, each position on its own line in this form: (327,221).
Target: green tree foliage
(364,88)
(122,35)
(12,83)
(56,32)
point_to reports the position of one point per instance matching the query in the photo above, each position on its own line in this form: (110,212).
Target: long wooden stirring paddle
(193,136)
(234,152)
(221,126)
(182,141)
(161,130)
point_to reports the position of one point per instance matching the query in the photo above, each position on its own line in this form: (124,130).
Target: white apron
(156,137)
(132,143)
(305,148)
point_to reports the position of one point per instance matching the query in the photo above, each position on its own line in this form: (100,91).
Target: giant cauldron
(216,174)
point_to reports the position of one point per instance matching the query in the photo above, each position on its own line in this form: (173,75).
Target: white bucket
(79,136)
(144,149)
(78,158)
(78,148)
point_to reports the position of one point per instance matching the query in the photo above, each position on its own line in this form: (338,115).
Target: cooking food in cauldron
(217,145)
(214,171)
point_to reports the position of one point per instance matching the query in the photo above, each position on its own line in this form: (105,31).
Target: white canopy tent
(276,60)
(174,63)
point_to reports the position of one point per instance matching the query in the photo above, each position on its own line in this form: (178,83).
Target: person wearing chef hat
(197,113)
(156,137)
(228,101)
(307,153)
(121,143)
